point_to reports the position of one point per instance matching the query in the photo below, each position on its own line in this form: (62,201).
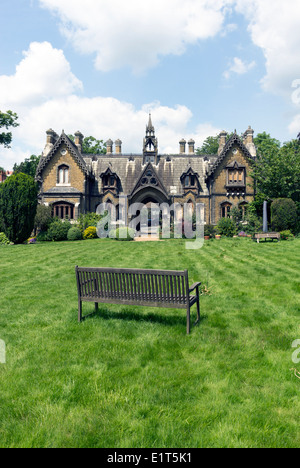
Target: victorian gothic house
(73,182)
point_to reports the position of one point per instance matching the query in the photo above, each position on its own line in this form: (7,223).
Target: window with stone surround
(63,210)
(225,210)
(236,175)
(63,175)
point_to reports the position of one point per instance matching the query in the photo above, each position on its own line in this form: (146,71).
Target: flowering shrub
(32,240)
(286,235)
(242,234)
(3,239)
(90,233)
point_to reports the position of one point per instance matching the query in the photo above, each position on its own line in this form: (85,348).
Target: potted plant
(209,231)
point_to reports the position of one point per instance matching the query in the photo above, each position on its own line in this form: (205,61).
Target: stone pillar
(182,145)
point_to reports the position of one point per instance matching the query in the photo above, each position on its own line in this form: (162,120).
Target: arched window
(243,207)
(225,210)
(63,175)
(63,210)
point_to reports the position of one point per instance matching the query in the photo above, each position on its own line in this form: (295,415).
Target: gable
(62,144)
(149,178)
(48,173)
(234,147)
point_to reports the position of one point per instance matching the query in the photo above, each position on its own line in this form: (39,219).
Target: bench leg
(198,309)
(188,320)
(96,307)
(79,310)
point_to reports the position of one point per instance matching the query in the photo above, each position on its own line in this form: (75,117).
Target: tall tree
(18,203)
(277,168)
(7,120)
(28,166)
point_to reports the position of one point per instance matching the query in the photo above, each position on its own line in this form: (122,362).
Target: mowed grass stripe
(130,377)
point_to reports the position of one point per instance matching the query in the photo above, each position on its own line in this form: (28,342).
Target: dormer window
(110,180)
(63,175)
(190,180)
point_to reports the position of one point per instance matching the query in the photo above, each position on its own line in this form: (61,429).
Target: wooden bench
(266,235)
(155,288)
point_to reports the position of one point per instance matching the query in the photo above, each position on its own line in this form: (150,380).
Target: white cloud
(274,27)
(44,73)
(136,33)
(41,104)
(239,67)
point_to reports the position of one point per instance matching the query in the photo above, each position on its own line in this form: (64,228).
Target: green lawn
(131,377)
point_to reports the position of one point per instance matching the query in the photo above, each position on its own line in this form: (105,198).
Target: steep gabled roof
(159,184)
(63,139)
(234,140)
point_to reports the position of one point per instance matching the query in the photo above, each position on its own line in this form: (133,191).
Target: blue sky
(100,66)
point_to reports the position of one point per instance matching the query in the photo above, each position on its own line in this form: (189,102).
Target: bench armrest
(196,285)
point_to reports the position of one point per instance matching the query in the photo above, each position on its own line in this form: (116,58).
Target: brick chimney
(79,141)
(222,141)
(118,144)
(51,138)
(191,146)
(109,146)
(249,141)
(182,146)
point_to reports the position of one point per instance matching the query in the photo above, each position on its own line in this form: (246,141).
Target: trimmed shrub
(284,214)
(58,230)
(18,203)
(90,233)
(43,237)
(87,220)
(74,234)
(3,239)
(125,234)
(209,230)
(286,235)
(227,227)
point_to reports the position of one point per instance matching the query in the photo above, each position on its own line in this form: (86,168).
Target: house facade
(73,182)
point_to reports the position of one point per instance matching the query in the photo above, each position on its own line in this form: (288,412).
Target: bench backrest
(134,285)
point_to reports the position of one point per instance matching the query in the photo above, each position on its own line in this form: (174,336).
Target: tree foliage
(43,217)
(28,166)
(7,120)
(18,203)
(91,145)
(211,145)
(277,168)
(284,215)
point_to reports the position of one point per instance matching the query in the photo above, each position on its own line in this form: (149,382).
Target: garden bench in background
(152,288)
(266,235)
